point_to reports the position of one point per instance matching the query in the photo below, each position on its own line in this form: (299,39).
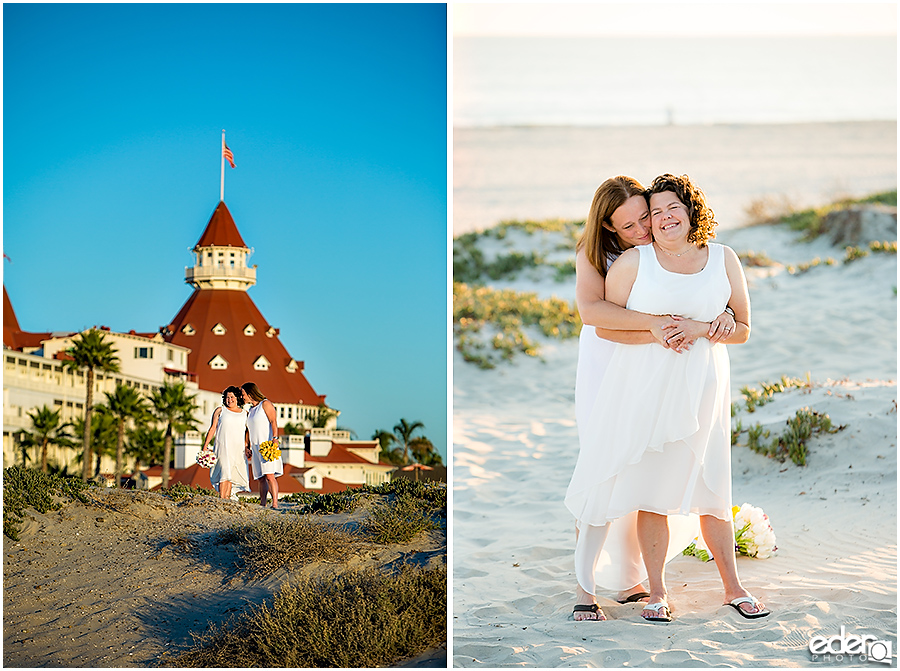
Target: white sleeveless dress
(260,431)
(658,434)
(231,465)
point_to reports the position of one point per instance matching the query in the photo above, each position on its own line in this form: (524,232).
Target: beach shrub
(810,220)
(290,540)
(180,491)
(326,504)
(509,312)
(854,253)
(806,265)
(31,488)
(753,259)
(431,494)
(883,247)
(359,618)
(754,397)
(397,520)
(792,443)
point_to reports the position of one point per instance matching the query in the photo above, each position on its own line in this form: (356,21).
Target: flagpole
(222,180)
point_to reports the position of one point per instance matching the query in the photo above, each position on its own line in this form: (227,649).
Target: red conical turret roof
(221,230)
(235,312)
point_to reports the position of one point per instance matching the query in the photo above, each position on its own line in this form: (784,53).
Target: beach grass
(810,220)
(290,540)
(31,488)
(397,520)
(359,618)
(180,491)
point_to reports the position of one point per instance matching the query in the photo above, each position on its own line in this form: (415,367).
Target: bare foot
(585,599)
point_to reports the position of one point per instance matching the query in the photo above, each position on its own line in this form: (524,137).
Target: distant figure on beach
(229,423)
(262,425)
(655,430)
(619,219)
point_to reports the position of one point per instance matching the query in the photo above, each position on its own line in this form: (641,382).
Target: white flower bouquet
(269,450)
(753,535)
(207,458)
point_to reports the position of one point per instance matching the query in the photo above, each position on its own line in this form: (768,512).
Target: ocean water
(590,81)
(539,123)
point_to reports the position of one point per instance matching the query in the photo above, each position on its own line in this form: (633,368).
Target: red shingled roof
(13,336)
(195,476)
(221,230)
(292,483)
(338,454)
(234,309)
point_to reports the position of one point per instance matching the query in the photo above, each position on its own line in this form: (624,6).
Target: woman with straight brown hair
(262,425)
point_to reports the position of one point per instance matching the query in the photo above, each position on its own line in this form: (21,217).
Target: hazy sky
(337,117)
(674,18)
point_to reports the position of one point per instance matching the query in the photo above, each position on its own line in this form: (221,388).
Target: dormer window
(189,330)
(218,363)
(291,367)
(261,363)
(249,330)
(218,329)
(271,332)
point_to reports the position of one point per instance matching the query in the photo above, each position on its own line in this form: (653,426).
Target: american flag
(226,152)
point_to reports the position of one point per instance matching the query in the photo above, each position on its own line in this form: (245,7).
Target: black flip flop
(632,598)
(736,604)
(585,608)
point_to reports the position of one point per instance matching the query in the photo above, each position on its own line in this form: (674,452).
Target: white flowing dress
(231,464)
(657,436)
(260,431)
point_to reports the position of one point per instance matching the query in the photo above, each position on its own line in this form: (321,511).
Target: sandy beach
(124,581)
(515,444)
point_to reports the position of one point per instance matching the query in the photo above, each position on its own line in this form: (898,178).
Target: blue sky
(337,117)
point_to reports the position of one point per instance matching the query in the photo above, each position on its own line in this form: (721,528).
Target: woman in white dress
(619,219)
(262,425)
(228,425)
(660,427)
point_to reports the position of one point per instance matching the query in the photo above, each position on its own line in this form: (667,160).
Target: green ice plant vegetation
(31,488)
(792,442)
(757,397)
(809,221)
(508,313)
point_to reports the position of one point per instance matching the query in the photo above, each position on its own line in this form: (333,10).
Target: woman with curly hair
(228,425)
(656,448)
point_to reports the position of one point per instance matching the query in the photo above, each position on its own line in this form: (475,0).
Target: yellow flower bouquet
(269,451)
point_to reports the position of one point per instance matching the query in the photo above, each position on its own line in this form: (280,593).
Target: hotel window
(218,329)
(170,355)
(249,330)
(187,329)
(261,363)
(143,352)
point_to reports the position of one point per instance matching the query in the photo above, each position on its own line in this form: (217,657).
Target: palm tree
(146,445)
(103,438)
(125,404)
(175,408)
(323,416)
(48,429)
(403,434)
(424,452)
(93,352)
(389,454)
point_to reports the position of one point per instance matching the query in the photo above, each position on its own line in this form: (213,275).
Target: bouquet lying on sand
(269,451)
(753,535)
(206,459)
